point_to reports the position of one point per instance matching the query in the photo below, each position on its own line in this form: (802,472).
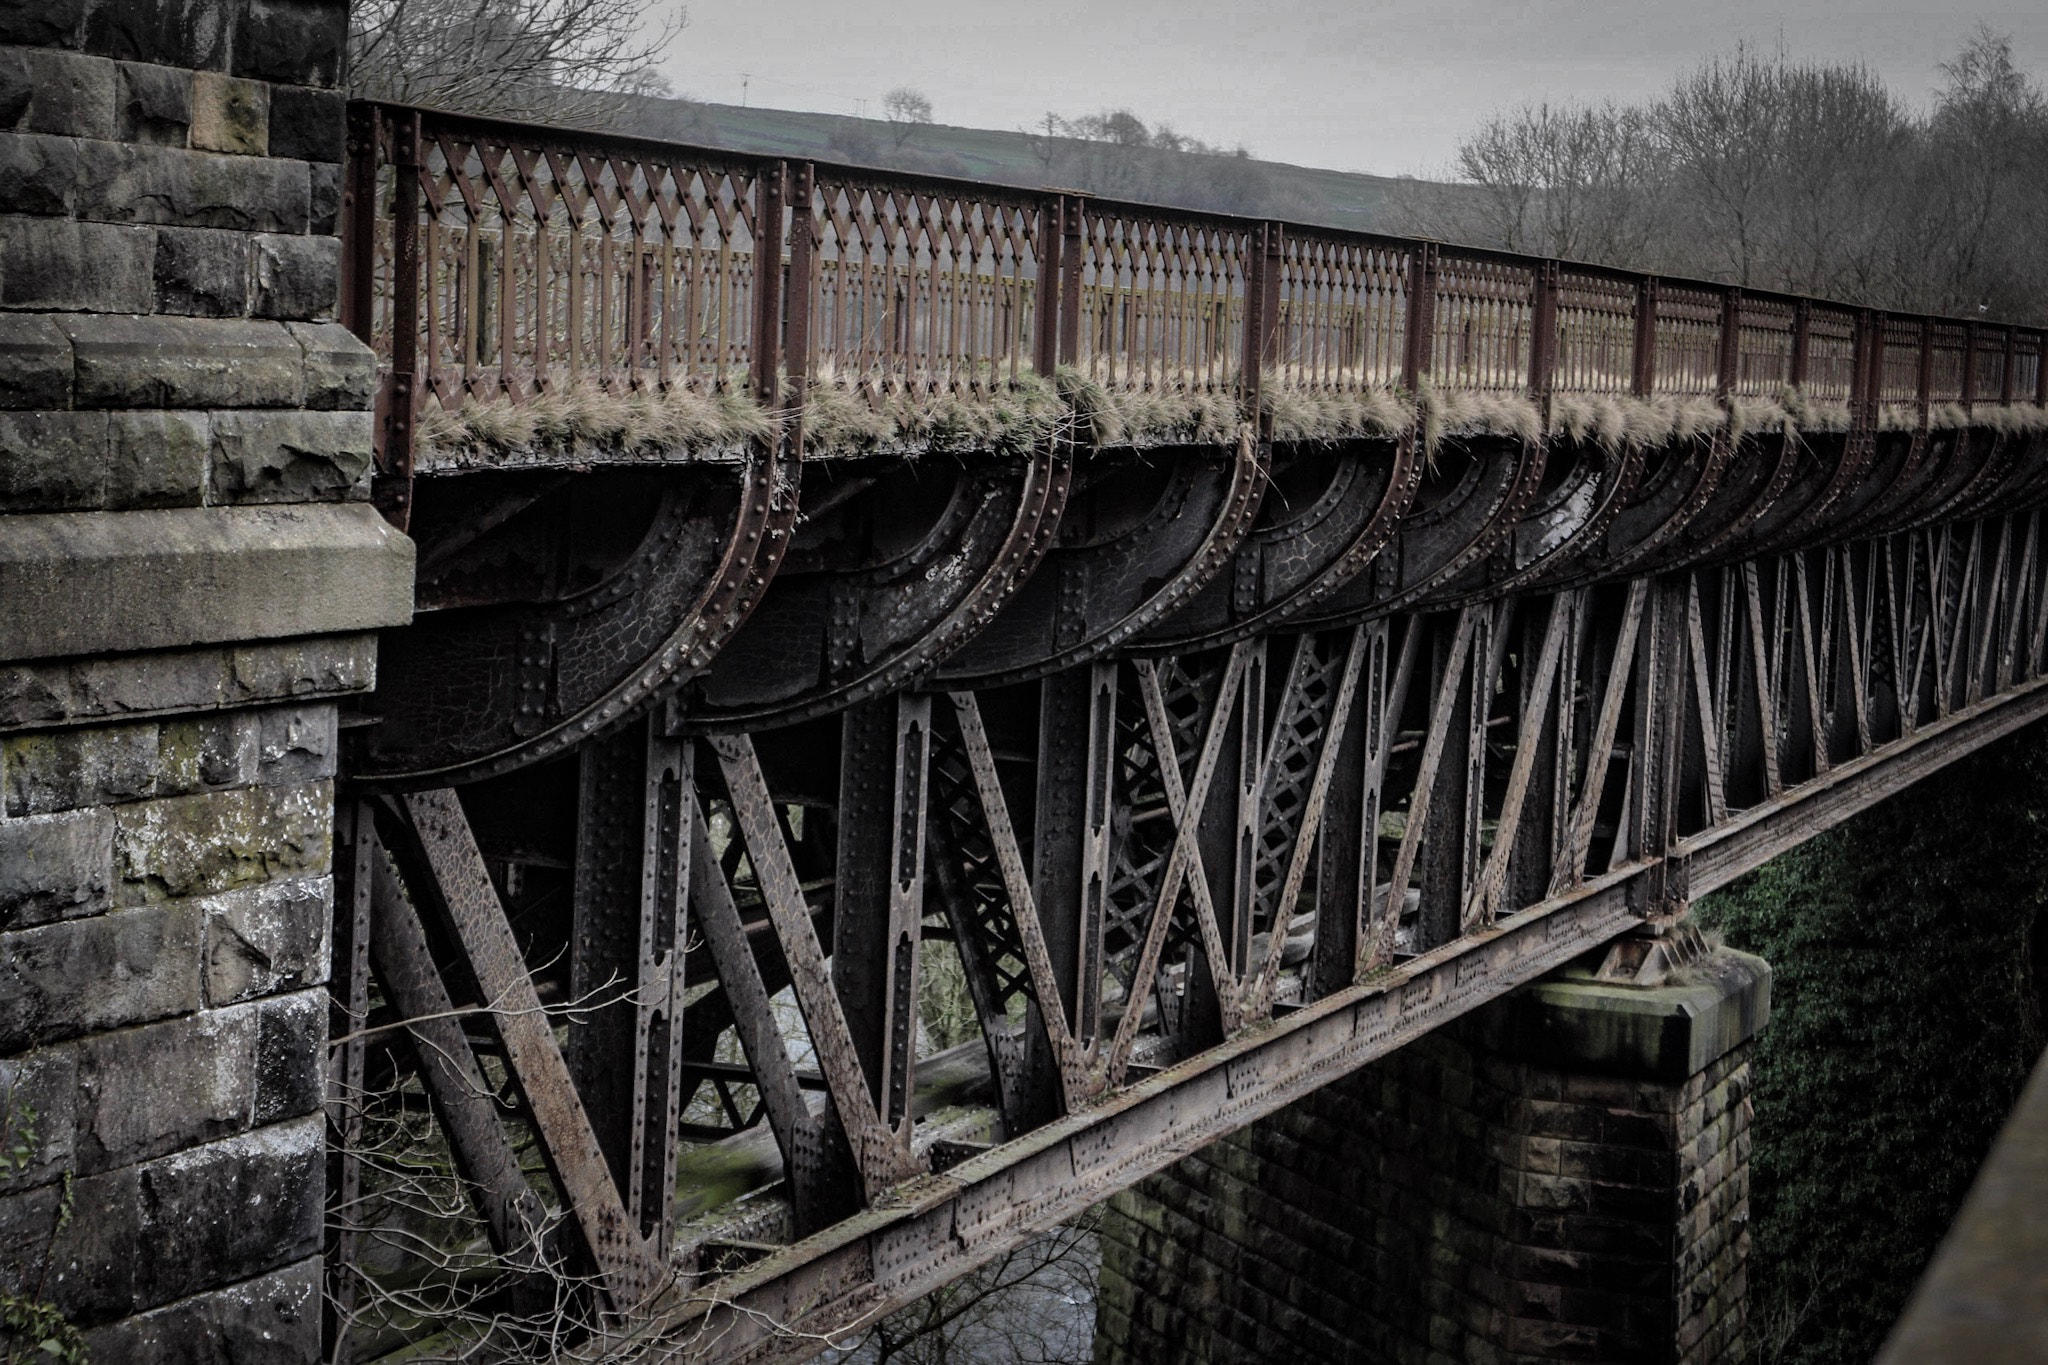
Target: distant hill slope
(1214,182)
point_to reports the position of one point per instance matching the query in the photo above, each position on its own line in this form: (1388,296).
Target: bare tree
(562,60)
(906,110)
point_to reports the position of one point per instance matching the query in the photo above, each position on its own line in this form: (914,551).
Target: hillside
(1208,181)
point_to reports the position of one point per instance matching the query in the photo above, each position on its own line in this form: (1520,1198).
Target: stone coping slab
(116,582)
(1660,1033)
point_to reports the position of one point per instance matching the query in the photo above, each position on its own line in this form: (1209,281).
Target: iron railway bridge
(1242,646)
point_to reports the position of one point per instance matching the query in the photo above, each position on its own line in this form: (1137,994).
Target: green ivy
(1905,1016)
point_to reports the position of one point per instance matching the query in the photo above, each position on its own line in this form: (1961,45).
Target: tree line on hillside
(1758,170)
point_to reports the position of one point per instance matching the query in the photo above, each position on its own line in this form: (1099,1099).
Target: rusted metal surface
(1220,762)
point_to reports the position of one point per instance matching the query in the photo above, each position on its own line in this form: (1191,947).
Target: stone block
(156,458)
(61,770)
(309,124)
(37,174)
(55,867)
(230,114)
(128,183)
(202,272)
(58,264)
(79,976)
(151,362)
(35,363)
(153,104)
(38,1116)
(292,42)
(37,695)
(341,372)
(68,93)
(178,33)
(290,1071)
(180,1225)
(198,845)
(263,940)
(297,278)
(271,1320)
(288,456)
(323,181)
(161,1088)
(86,583)
(52,461)
(55,24)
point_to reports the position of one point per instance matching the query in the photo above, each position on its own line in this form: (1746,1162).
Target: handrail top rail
(611,144)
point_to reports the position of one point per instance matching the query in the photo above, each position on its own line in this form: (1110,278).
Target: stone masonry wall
(1448,1204)
(190,579)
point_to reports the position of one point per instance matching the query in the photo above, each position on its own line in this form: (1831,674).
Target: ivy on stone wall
(1907,949)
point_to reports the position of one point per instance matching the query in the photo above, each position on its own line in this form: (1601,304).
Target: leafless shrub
(1771,173)
(561,60)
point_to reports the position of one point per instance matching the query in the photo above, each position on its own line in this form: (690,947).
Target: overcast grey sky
(1369,85)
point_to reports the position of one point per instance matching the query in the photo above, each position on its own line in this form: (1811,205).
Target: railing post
(797,302)
(1261,310)
(392,492)
(1645,378)
(1924,382)
(1729,364)
(1073,262)
(1802,342)
(2041,368)
(767,345)
(1969,386)
(1543,335)
(2005,366)
(1045,352)
(1422,267)
(359,225)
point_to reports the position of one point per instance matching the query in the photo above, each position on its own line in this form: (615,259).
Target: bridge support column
(191,576)
(1562,1175)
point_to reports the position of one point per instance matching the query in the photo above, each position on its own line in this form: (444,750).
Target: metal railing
(490,261)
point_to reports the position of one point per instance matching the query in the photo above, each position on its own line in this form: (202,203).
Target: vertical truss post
(1659,769)
(1070,852)
(1450,826)
(1227,838)
(625,1039)
(878,897)
(348,989)
(1348,843)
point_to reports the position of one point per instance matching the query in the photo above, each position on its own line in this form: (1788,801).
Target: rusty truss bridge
(1228,648)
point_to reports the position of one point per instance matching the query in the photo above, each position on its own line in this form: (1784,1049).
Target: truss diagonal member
(1017,886)
(798,1132)
(631,1276)
(1229,990)
(1571,859)
(1485,902)
(1303,850)
(881,1154)
(1440,713)
(1707,705)
(1179,863)
(464,1101)
(1366,954)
